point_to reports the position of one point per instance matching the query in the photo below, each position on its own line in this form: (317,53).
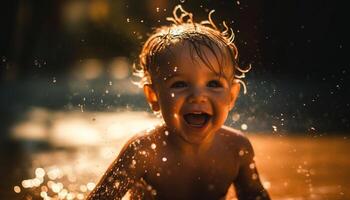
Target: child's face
(194,101)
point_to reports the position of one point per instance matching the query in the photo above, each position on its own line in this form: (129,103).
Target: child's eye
(214,84)
(178,84)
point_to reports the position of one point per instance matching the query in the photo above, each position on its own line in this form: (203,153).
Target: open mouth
(198,119)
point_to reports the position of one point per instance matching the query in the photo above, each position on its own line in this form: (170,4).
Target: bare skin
(192,155)
(157,169)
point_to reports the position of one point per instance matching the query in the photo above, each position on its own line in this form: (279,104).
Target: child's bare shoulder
(234,138)
(144,140)
(139,148)
(233,135)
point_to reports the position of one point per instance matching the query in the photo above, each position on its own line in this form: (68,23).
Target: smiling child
(189,76)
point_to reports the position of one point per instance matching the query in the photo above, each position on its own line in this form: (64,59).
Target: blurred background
(67,102)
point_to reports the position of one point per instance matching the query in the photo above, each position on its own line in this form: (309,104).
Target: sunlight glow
(74,128)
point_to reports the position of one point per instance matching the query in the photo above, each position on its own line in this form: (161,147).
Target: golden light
(53,174)
(80,196)
(29,130)
(88,69)
(70,196)
(63,193)
(90,186)
(43,194)
(74,128)
(39,172)
(244,127)
(235,117)
(119,68)
(57,187)
(17,189)
(73,131)
(74,13)
(33,127)
(98,10)
(121,125)
(83,188)
(27,184)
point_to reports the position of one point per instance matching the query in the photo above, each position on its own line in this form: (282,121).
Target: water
(63,162)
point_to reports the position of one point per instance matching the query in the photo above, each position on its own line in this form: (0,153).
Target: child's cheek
(169,100)
(222,97)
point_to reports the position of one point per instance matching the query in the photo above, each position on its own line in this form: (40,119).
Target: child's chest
(210,175)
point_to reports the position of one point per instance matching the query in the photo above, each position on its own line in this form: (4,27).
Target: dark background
(298,50)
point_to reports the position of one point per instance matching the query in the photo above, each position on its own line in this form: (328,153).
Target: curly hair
(184,29)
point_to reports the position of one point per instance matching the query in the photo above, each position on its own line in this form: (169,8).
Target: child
(188,76)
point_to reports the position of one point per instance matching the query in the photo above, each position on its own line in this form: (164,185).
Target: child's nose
(197,96)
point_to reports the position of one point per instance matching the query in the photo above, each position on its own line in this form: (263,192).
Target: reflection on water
(77,128)
(81,145)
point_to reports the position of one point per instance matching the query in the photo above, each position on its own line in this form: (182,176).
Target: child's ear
(151,97)
(235,88)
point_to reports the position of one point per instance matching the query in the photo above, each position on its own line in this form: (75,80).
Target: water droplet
(252,166)
(57,187)
(26,184)
(235,117)
(158,174)
(70,196)
(141,20)
(107,91)
(241,153)
(254,176)
(54,173)
(157,9)
(43,194)
(133,162)
(110,83)
(54,80)
(90,186)
(238,3)
(154,192)
(153,146)
(172,95)
(116,184)
(274,128)
(164,159)
(142,152)
(175,69)
(166,133)
(17,189)
(80,196)
(182,1)
(127,20)
(244,127)
(39,172)
(83,188)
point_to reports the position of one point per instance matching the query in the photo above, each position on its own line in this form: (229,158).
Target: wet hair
(184,30)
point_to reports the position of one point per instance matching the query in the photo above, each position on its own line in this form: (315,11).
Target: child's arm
(119,178)
(247,184)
